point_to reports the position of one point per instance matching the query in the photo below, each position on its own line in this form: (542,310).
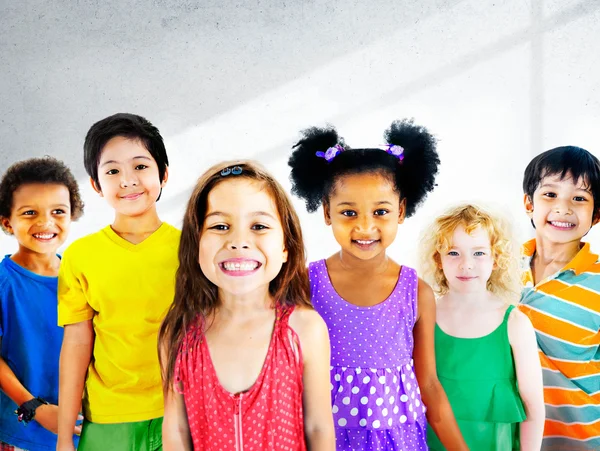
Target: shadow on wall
(379,96)
(67,65)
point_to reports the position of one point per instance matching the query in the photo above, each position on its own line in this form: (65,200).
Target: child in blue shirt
(39,198)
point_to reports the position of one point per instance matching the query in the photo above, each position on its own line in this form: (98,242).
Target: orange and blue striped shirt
(565,311)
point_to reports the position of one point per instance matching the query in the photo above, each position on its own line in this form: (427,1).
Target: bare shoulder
(442,306)
(519,327)
(312,333)
(425,296)
(518,319)
(424,289)
(306,321)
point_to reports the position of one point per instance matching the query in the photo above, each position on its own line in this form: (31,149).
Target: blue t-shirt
(31,341)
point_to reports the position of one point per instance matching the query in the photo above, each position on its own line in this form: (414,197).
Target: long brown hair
(195,296)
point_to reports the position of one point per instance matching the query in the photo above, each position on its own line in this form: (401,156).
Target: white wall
(497,81)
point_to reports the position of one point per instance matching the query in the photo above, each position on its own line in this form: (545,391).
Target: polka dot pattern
(375,395)
(267,416)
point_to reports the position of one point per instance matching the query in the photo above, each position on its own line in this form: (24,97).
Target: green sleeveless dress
(478,375)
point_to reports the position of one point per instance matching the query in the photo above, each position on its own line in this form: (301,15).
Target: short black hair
(129,126)
(313,178)
(44,170)
(566,161)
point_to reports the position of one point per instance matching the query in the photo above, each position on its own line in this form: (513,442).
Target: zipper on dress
(237,421)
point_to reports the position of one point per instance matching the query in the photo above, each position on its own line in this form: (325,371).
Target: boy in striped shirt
(562,292)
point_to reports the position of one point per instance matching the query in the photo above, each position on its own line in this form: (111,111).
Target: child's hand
(47,416)
(78,424)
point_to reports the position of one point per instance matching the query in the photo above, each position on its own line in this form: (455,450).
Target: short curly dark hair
(45,170)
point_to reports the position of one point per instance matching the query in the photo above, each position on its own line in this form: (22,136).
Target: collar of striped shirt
(584,259)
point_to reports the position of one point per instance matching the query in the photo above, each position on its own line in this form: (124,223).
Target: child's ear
(528,202)
(285,256)
(6,225)
(327,213)
(165,178)
(596,217)
(402,211)
(96,187)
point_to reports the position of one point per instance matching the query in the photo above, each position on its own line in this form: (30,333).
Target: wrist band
(26,412)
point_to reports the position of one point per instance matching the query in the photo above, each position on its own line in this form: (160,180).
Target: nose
(238,245)
(466,262)
(128,178)
(562,207)
(45,219)
(365,224)
(238,240)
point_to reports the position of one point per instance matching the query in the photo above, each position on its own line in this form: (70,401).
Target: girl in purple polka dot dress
(380,315)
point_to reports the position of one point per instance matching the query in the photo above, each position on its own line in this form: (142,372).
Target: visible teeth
(245,266)
(562,224)
(44,236)
(365,241)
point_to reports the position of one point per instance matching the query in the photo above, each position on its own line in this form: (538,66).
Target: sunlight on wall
(481,97)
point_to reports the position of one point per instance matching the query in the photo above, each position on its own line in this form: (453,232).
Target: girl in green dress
(486,351)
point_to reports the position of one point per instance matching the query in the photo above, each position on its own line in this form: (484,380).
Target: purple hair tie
(330,153)
(395,150)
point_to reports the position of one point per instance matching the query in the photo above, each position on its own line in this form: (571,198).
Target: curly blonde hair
(437,239)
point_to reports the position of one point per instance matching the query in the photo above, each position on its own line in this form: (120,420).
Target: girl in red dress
(245,358)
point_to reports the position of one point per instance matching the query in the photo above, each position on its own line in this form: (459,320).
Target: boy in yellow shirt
(114,289)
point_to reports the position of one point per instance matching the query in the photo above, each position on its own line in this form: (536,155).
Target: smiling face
(242,245)
(562,210)
(40,217)
(469,263)
(128,176)
(364,211)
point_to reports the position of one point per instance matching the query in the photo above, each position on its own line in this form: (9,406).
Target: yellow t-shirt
(126,290)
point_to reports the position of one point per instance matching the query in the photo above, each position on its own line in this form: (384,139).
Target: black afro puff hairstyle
(313,178)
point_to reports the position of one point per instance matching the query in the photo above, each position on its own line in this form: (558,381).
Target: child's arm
(46,415)
(529,377)
(175,429)
(439,412)
(75,357)
(314,346)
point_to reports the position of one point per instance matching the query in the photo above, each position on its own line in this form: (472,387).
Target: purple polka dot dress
(374,392)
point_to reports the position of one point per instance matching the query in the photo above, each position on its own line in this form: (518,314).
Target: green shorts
(137,436)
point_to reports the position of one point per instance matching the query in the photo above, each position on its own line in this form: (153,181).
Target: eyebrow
(556,185)
(138,157)
(477,247)
(253,214)
(53,206)
(352,204)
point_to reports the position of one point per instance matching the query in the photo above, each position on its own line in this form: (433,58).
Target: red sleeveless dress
(268,416)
